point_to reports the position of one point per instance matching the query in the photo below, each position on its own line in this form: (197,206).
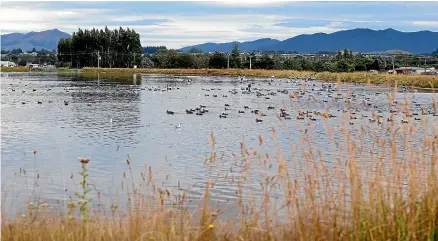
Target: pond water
(49,121)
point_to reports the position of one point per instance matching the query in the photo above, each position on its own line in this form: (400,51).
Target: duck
(39,102)
(22,102)
(222,116)
(404,121)
(258,120)
(189,111)
(65,102)
(241,112)
(271,107)
(170,112)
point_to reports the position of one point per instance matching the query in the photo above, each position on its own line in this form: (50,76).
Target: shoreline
(419,81)
(426,82)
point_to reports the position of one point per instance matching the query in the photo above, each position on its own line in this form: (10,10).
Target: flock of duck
(359,105)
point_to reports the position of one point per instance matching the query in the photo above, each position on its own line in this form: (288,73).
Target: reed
(382,184)
(421,81)
(14,69)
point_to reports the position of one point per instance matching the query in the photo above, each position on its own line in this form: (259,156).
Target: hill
(358,40)
(227,47)
(45,39)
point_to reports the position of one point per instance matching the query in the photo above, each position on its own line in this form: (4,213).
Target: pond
(49,121)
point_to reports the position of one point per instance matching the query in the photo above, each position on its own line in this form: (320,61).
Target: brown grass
(422,81)
(14,69)
(390,193)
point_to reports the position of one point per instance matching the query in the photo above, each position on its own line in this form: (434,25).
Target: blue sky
(178,24)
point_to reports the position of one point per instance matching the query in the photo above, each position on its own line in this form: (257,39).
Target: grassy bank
(14,69)
(423,81)
(382,185)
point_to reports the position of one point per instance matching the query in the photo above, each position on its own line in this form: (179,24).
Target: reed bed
(421,81)
(383,189)
(14,69)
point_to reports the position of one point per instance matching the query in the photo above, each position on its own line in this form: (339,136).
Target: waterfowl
(404,121)
(22,102)
(246,107)
(170,112)
(258,120)
(189,111)
(241,111)
(222,116)
(65,102)
(271,107)
(39,102)
(227,105)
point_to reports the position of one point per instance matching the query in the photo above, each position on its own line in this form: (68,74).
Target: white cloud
(180,29)
(425,23)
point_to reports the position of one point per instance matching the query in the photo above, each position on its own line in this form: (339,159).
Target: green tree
(146,62)
(264,62)
(217,61)
(195,50)
(235,61)
(17,51)
(185,60)
(117,48)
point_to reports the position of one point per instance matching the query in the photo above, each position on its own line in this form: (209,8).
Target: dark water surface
(107,119)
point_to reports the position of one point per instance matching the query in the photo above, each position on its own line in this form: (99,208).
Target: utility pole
(393,66)
(98,59)
(425,64)
(250,62)
(228,63)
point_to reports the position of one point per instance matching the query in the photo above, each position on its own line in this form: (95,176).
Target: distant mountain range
(227,47)
(39,40)
(357,40)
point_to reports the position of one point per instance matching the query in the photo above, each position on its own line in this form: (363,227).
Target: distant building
(30,65)
(414,70)
(7,64)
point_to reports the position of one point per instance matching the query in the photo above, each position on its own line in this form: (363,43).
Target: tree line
(344,61)
(118,48)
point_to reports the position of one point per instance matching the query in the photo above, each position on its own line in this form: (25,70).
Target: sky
(179,24)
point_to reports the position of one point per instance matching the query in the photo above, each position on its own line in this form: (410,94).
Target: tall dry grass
(14,69)
(381,185)
(422,81)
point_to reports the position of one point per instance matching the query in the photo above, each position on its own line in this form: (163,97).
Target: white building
(7,64)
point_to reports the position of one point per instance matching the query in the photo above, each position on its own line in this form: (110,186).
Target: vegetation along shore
(421,81)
